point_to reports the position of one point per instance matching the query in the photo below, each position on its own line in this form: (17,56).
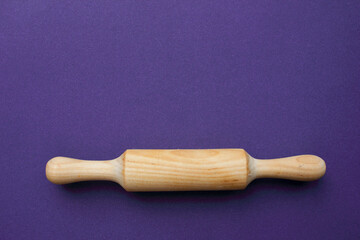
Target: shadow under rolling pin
(139,170)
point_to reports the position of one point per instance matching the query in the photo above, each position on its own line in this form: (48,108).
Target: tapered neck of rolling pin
(301,168)
(62,170)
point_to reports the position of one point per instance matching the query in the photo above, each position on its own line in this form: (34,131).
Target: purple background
(90,79)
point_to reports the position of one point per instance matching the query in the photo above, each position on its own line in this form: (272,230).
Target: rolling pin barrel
(184,170)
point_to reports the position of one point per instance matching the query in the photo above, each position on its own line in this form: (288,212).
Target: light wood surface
(184,170)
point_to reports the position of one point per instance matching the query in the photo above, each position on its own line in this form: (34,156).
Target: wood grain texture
(184,170)
(179,170)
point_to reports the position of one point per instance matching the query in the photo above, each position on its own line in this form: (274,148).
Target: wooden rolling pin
(184,170)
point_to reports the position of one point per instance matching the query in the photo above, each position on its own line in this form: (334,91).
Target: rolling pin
(184,170)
